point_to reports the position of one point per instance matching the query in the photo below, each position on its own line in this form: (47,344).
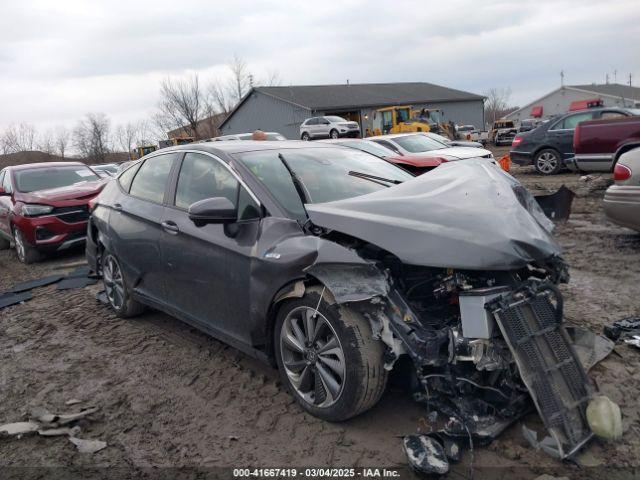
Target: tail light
(576,138)
(517,140)
(621,172)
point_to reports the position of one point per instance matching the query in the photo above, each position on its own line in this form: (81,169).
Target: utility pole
(562,78)
(629,79)
(615,76)
(607,78)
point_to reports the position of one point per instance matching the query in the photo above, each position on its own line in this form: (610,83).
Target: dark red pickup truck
(597,144)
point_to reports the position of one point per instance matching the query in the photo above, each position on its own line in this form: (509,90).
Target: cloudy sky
(61,59)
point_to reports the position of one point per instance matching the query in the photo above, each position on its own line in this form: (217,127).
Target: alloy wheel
(312,357)
(334,134)
(547,162)
(113,282)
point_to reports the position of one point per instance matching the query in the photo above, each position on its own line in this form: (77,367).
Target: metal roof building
(559,101)
(283,109)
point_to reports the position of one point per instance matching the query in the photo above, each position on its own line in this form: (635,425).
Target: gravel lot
(170,396)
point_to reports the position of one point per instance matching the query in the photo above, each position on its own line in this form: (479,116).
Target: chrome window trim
(225,165)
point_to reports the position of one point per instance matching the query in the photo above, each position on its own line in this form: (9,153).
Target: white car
(328,127)
(419,145)
(246,136)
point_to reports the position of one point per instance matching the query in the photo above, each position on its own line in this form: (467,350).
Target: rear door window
(150,182)
(570,122)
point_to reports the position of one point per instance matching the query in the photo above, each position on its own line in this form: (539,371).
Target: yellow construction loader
(140,152)
(404,119)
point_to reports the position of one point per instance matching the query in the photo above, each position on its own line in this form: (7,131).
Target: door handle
(117,207)
(170,227)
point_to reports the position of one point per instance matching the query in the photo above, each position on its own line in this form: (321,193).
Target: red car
(416,164)
(44,207)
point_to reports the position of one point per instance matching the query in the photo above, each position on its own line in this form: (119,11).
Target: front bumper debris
(530,320)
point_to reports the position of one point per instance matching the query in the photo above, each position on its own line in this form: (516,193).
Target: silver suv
(328,127)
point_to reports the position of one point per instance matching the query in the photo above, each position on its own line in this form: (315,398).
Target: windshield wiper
(305,197)
(375,179)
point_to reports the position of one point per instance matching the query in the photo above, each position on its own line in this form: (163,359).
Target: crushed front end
(487,347)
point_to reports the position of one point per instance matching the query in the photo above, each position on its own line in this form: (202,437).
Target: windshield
(438,138)
(418,143)
(333,118)
(323,171)
(53,177)
(369,147)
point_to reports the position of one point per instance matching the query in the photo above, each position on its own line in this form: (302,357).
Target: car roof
(394,135)
(230,148)
(29,166)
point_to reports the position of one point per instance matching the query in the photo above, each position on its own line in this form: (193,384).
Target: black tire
(364,377)
(4,243)
(305,136)
(547,161)
(25,252)
(126,307)
(334,134)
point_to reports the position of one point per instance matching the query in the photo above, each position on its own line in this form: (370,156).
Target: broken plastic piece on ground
(452,450)
(42,415)
(56,432)
(75,282)
(547,444)
(81,271)
(31,284)
(18,428)
(626,327)
(8,299)
(88,446)
(101,296)
(604,417)
(72,401)
(590,347)
(557,206)
(634,341)
(425,454)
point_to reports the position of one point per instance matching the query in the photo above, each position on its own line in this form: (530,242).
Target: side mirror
(213,210)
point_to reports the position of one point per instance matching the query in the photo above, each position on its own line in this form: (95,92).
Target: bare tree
(145,133)
(26,137)
(18,139)
(272,79)
(91,137)
(241,79)
(61,140)
(182,103)
(9,140)
(126,136)
(496,103)
(46,142)
(220,98)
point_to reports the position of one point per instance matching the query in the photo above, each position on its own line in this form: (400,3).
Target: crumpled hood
(463,153)
(71,192)
(468,215)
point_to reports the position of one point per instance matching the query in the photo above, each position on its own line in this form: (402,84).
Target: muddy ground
(170,396)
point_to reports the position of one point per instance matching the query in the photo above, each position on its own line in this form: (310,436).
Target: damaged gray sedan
(334,264)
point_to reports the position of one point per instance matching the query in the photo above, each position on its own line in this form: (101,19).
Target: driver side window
(204,177)
(6,182)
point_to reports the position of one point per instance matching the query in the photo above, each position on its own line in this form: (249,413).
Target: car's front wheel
(305,136)
(334,134)
(328,358)
(25,252)
(547,162)
(116,289)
